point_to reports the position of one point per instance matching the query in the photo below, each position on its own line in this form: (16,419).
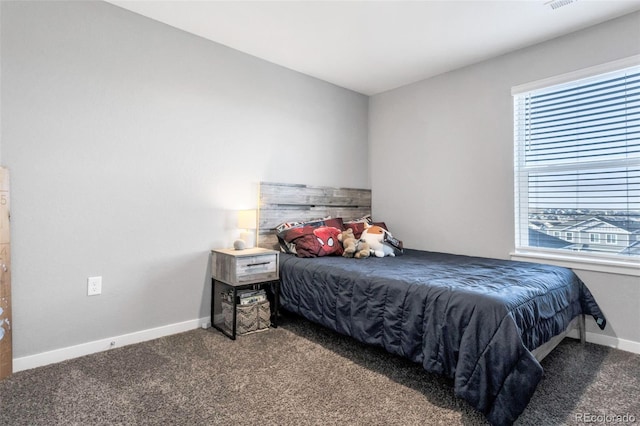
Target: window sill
(580,263)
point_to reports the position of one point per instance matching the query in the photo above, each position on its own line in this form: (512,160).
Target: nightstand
(237,278)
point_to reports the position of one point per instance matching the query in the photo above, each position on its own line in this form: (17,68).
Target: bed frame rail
(543,350)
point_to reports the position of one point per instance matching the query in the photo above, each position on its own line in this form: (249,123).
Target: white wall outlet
(94,286)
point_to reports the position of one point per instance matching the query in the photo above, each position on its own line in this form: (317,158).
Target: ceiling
(374,46)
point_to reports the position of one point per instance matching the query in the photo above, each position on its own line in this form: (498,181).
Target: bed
(485,323)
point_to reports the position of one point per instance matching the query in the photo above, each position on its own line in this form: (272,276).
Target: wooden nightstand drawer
(262,268)
(244,266)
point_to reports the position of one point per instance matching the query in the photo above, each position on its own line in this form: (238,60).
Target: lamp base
(238,244)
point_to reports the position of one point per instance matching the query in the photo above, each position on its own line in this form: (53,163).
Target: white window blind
(577,166)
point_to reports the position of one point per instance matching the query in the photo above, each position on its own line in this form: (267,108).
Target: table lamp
(247,224)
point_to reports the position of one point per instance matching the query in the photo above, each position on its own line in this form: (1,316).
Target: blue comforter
(472,319)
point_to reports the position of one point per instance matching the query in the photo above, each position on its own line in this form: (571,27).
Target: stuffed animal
(374,236)
(353,247)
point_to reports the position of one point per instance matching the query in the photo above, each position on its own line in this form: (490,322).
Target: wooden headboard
(284,202)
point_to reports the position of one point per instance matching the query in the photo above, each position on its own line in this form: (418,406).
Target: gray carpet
(297,374)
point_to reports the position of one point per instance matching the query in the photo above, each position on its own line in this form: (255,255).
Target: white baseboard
(612,342)
(59,355)
(62,354)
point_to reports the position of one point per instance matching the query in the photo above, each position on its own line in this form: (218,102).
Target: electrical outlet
(94,286)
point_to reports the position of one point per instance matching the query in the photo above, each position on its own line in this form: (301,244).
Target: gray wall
(442,156)
(129,142)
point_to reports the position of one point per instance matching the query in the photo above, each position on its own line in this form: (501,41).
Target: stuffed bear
(353,247)
(374,236)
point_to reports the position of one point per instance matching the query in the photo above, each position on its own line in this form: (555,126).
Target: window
(577,162)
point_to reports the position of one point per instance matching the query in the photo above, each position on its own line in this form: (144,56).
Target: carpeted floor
(297,374)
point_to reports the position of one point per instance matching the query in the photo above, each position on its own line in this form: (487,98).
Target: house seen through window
(577,163)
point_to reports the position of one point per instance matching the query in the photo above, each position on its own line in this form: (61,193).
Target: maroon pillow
(314,241)
(290,246)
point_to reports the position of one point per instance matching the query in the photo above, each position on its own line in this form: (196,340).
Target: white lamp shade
(247,222)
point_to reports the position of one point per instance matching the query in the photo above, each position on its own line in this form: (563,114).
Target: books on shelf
(246,297)
(252,296)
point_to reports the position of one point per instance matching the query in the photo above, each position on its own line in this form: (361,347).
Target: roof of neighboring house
(540,239)
(624,224)
(546,224)
(633,249)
